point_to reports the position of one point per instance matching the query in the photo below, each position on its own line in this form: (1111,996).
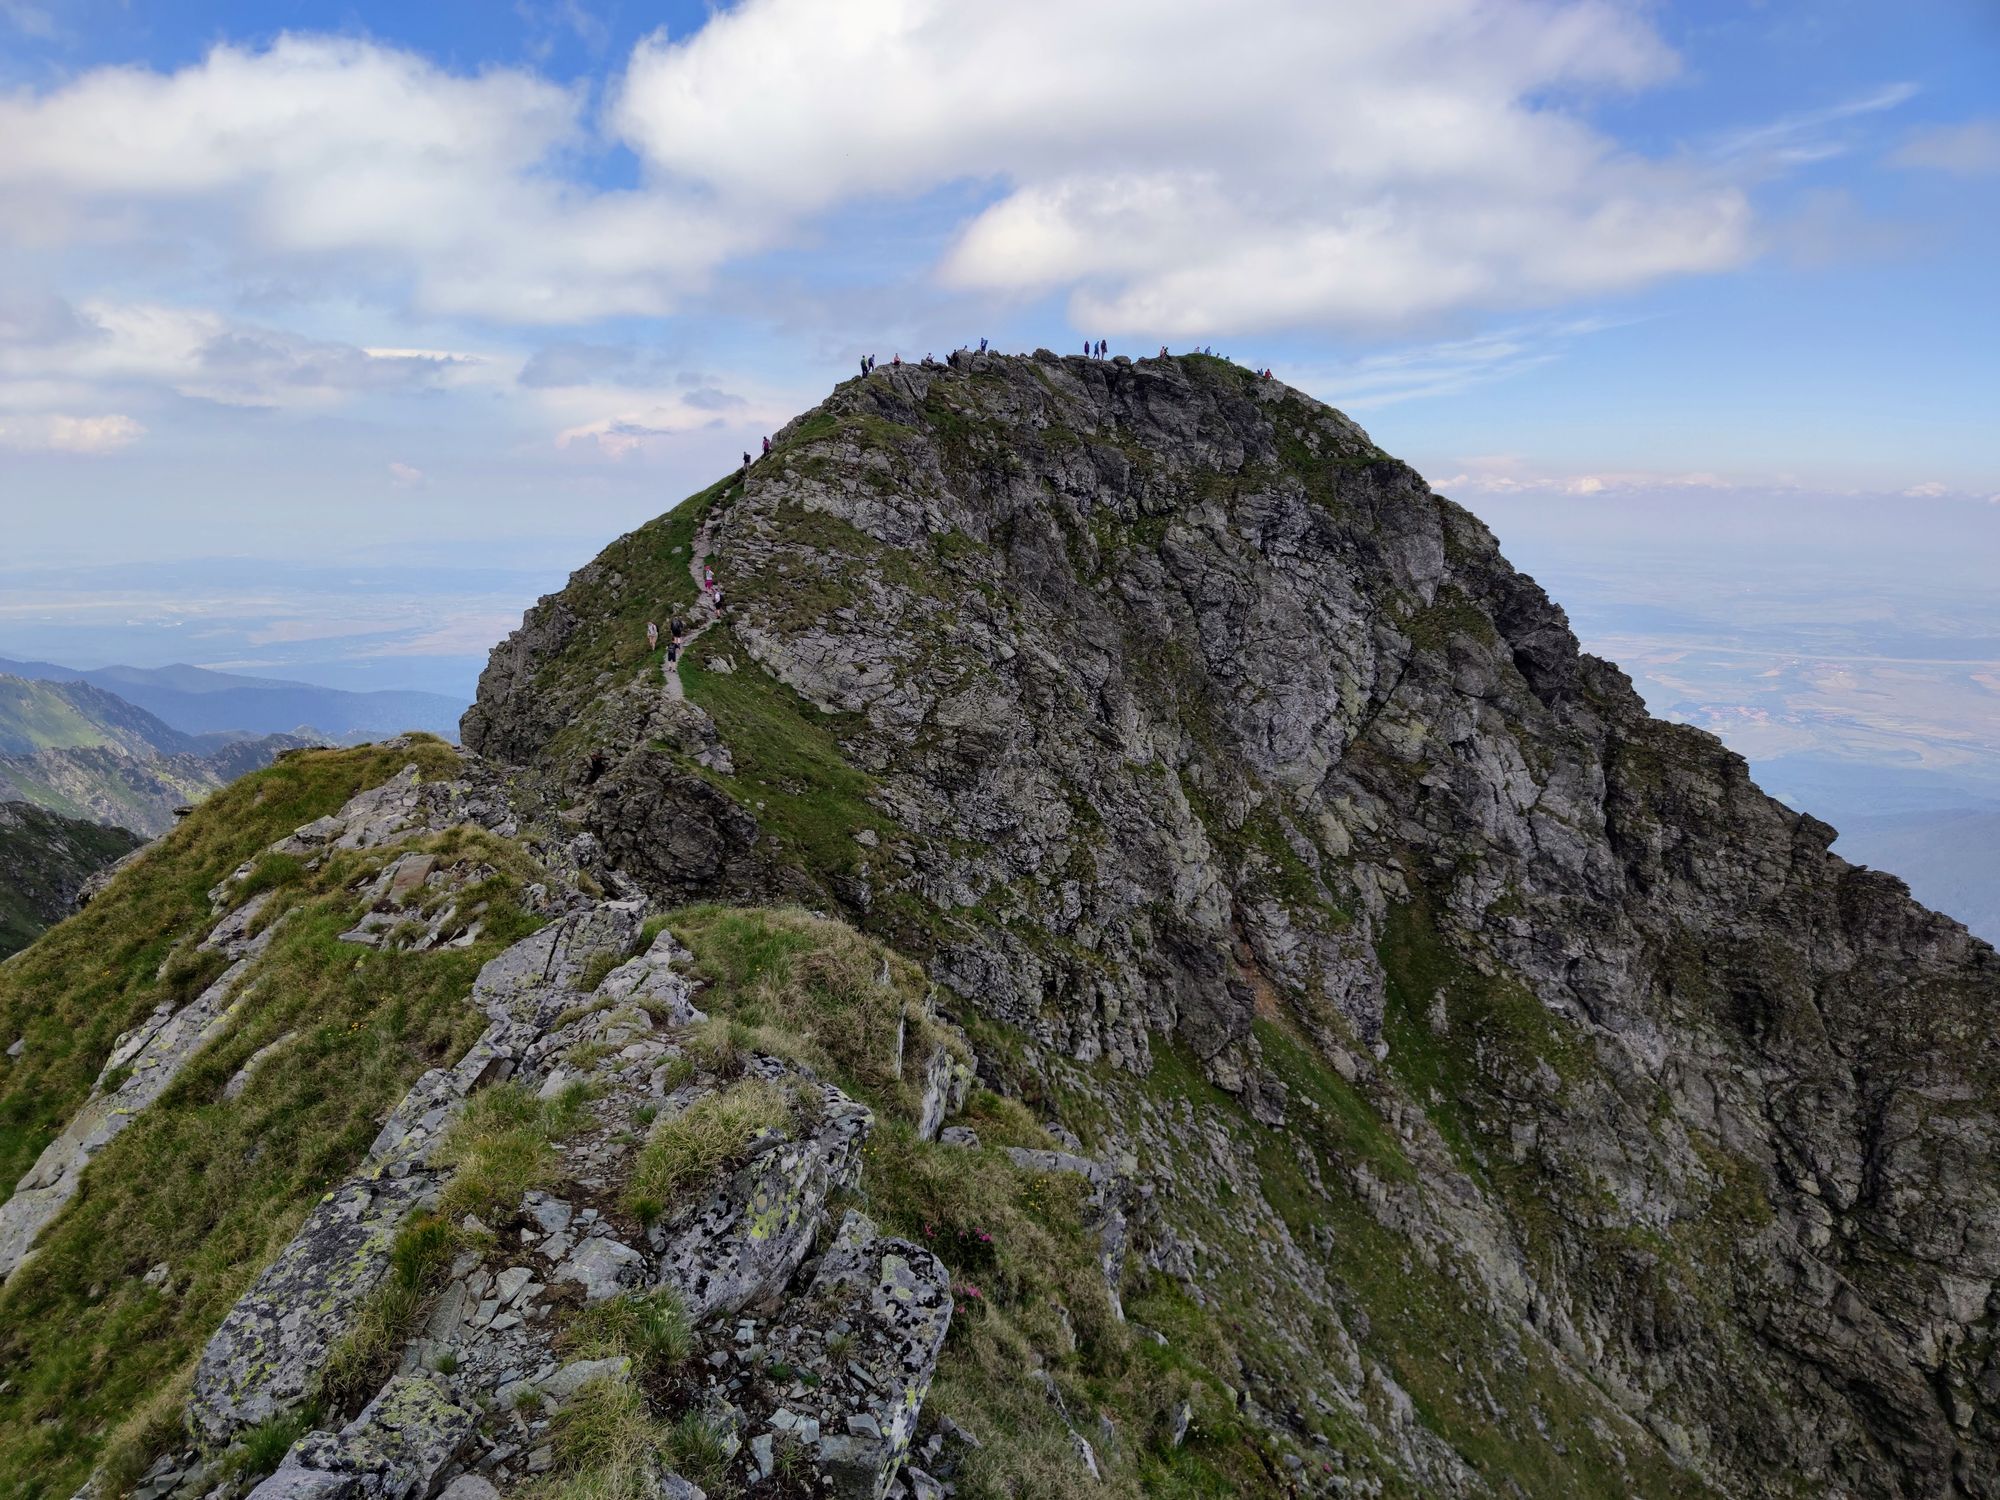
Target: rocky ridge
(1134,956)
(1160,712)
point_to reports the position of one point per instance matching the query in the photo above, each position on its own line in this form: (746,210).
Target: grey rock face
(1198,718)
(742,1246)
(273,1344)
(396,1448)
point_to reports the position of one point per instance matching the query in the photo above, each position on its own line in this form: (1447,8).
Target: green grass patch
(649,1328)
(687,1149)
(790,768)
(503,1144)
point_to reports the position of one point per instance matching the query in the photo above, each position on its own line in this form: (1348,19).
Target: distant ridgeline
(1135,957)
(77,750)
(198,701)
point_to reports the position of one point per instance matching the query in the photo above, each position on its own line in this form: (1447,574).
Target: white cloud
(1208,165)
(1968,150)
(355,161)
(1507,475)
(405,476)
(56,432)
(1180,168)
(30,20)
(1441,369)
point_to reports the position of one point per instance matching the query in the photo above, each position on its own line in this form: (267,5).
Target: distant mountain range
(196,701)
(74,749)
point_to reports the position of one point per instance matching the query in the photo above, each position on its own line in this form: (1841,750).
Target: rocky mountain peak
(1073,929)
(1176,726)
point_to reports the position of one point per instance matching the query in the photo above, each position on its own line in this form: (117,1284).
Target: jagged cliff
(1158,710)
(1134,956)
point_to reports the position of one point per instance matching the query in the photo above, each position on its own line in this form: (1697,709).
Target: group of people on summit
(1092,349)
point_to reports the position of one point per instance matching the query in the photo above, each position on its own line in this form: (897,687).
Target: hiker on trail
(707,579)
(652,636)
(746,462)
(767,447)
(982,346)
(678,627)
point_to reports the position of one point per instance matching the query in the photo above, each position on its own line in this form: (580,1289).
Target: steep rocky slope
(1135,957)
(44,861)
(1540,1100)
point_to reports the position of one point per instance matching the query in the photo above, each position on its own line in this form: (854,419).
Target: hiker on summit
(1163,351)
(982,346)
(896,361)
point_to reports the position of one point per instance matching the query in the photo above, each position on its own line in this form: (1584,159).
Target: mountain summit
(1129,954)
(1534,1092)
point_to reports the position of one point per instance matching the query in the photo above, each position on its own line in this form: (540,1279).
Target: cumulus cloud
(346,158)
(56,432)
(1178,167)
(1968,150)
(1207,165)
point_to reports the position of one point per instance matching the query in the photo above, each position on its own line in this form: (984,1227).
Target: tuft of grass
(649,1328)
(599,966)
(698,1450)
(794,984)
(503,1145)
(273,871)
(607,1446)
(687,1149)
(264,1446)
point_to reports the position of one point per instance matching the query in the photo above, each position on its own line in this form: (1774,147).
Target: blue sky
(373,320)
